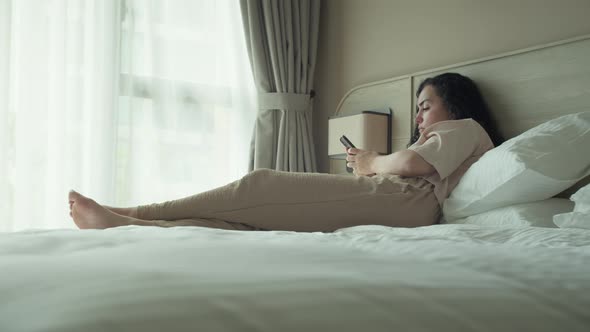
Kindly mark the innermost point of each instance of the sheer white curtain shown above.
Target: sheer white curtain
(186, 114)
(126, 101)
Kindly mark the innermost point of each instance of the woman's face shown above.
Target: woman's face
(431, 109)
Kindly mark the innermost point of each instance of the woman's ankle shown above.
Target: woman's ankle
(129, 212)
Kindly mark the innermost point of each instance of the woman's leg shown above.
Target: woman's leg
(274, 200)
(88, 214)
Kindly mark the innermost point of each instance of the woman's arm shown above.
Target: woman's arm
(405, 162)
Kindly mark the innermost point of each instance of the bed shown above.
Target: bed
(462, 276)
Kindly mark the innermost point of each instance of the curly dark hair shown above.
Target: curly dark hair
(463, 100)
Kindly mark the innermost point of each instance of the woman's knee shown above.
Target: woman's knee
(257, 176)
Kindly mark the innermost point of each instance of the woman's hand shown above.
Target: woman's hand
(361, 161)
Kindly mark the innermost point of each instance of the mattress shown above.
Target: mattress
(369, 278)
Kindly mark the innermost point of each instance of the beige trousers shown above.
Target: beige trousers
(273, 200)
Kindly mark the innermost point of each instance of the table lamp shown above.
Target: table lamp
(368, 130)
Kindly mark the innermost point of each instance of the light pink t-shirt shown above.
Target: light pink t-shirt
(451, 147)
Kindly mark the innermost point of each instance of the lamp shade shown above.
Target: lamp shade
(368, 130)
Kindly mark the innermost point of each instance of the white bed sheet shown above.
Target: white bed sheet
(366, 278)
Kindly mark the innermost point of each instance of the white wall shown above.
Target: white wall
(368, 40)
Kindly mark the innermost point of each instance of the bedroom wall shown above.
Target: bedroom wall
(364, 41)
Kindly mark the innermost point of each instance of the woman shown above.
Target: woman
(406, 188)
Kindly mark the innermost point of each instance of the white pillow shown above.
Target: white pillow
(532, 166)
(580, 218)
(572, 220)
(582, 199)
(538, 214)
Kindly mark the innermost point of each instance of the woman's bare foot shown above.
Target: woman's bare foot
(89, 214)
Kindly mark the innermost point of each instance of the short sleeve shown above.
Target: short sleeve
(447, 144)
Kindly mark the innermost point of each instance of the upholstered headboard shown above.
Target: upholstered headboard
(523, 88)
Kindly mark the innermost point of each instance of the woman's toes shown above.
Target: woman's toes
(73, 196)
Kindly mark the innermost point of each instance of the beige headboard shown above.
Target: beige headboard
(523, 88)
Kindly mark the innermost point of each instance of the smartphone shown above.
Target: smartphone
(346, 142)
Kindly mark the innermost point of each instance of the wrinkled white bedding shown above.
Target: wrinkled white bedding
(366, 278)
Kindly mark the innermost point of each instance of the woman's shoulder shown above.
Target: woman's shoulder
(455, 124)
(476, 129)
(461, 128)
